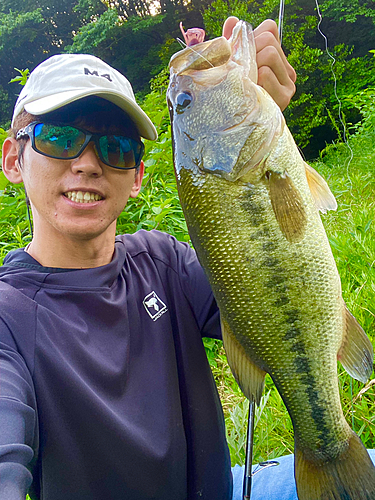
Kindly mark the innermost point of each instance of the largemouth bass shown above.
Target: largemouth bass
(252, 208)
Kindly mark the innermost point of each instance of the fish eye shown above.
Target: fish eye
(183, 100)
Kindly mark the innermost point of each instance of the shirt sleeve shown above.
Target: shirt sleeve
(17, 419)
(195, 283)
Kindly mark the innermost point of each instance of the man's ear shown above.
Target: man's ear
(11, 167)
(138, 181)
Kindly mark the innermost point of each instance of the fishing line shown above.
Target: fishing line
(183, 44)
(333, 61)
(28, 214)
(352, 407)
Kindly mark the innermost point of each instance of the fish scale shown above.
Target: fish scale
(250, 309)
(251, 205)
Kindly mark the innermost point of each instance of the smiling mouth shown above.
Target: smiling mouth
(83, 196)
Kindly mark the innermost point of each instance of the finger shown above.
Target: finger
(267, 40)
(269, 56)
(281, 94)
(267, 26)
(228, 26)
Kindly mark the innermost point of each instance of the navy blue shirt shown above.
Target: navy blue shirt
(105, 388)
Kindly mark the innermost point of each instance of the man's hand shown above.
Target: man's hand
(275, 74)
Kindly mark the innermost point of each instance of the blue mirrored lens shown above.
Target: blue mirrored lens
(120, 151)
(58, 141)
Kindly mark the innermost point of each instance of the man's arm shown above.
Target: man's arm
(275, 74)
(17, 420)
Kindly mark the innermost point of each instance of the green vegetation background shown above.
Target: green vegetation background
(139, 37)
(349, 169)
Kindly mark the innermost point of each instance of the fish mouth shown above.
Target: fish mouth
(213, 54)
(213, 87)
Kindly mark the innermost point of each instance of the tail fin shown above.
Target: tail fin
(350, 477)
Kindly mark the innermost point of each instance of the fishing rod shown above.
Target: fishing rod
(246, 491)
(247, 481)
(281, 19)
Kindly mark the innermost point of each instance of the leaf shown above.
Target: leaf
(22, 79)
(3, 181)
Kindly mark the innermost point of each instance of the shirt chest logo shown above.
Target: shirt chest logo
(154, 306)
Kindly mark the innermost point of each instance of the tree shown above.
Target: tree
(135, 36)
(313, 115)
(31, 31)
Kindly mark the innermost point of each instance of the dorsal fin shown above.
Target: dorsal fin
(322, 195)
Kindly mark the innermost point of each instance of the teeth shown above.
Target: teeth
(82, 196)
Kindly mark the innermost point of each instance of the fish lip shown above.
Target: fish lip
(200, 57)
(246, 49)
(239, 48)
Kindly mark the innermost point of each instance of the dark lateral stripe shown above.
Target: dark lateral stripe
(282, 300)
(271, 261)
(302, 364)
(292, 333)
(303, 367)
(269, 246)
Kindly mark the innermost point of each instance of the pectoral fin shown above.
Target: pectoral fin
(248, 376)
(288, 206)
(322, 195)
(356, 352)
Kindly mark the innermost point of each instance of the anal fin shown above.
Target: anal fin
(248, 376)
(356, 353)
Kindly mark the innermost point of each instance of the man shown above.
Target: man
(105, 391)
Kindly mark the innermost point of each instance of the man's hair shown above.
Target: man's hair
(92, 113)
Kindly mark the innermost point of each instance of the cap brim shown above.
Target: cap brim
(50, 103)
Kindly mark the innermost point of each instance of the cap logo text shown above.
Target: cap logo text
(94, 72)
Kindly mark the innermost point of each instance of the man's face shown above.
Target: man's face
(55, 188)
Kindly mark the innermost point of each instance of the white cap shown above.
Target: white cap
(65, 78)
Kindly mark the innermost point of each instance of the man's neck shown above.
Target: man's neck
(72, 254)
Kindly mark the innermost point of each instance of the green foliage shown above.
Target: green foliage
(3, 135)
(364, 101)
(313, 114)
(130, 44)
(22, 78)
(124, 34)
(3, 183)
(251, 11)
(31, 31)
(91, 35)
(157, 206)
(14, 229)
(342, 10)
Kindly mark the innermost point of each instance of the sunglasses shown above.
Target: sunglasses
(64, 142)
